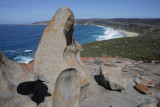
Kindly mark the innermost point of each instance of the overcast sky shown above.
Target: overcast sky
(28, 11)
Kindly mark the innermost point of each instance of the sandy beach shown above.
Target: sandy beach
(128, 34)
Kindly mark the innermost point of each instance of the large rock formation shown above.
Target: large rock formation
(55, 78)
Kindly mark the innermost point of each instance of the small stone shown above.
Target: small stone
(125, 69)
(142, 88)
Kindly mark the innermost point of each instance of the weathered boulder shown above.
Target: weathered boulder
(111, 78)
(55, 78)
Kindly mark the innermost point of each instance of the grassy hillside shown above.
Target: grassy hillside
(146, 47)
(141, 26)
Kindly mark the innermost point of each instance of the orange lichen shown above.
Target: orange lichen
(47, 29)
(87, 58)
(55, 30)
(70, 61)
(74, 101)
(142, 88)
(145, 80)
(110, 58)
(57, 93)
(28, 67)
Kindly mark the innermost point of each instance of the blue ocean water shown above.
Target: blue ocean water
(19, 42)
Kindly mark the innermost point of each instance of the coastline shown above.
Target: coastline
(127, 33)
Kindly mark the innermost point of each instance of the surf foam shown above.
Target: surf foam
(23, 59)
(109, 33)
(27, 50)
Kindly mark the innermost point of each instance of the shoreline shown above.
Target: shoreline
(127, 33)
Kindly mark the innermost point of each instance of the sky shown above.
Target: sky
(29, 11)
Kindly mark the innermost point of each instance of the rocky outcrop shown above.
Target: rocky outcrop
(129, 70)
(55, 78)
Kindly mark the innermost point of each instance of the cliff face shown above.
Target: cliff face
(55, 78)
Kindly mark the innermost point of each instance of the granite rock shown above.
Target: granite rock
(111, 78)
(55, 78)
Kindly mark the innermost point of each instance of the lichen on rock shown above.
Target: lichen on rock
(56, 67)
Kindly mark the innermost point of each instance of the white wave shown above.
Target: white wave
(9, 51)
(23, 59)
(28, 50)
(100, 26)
(110, 34)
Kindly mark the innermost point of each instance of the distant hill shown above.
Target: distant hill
(155, 21)
(39, 23)
(131, 24)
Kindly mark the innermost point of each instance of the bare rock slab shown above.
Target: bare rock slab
(111, 78)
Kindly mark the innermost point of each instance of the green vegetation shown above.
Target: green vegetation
(146, 47)
(135, 25)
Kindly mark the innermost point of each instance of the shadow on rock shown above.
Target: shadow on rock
(98, 80)
(37, 90)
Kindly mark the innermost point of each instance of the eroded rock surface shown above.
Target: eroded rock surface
(55, 78)
(100, 96)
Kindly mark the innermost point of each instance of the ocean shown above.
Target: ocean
(19, 42)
